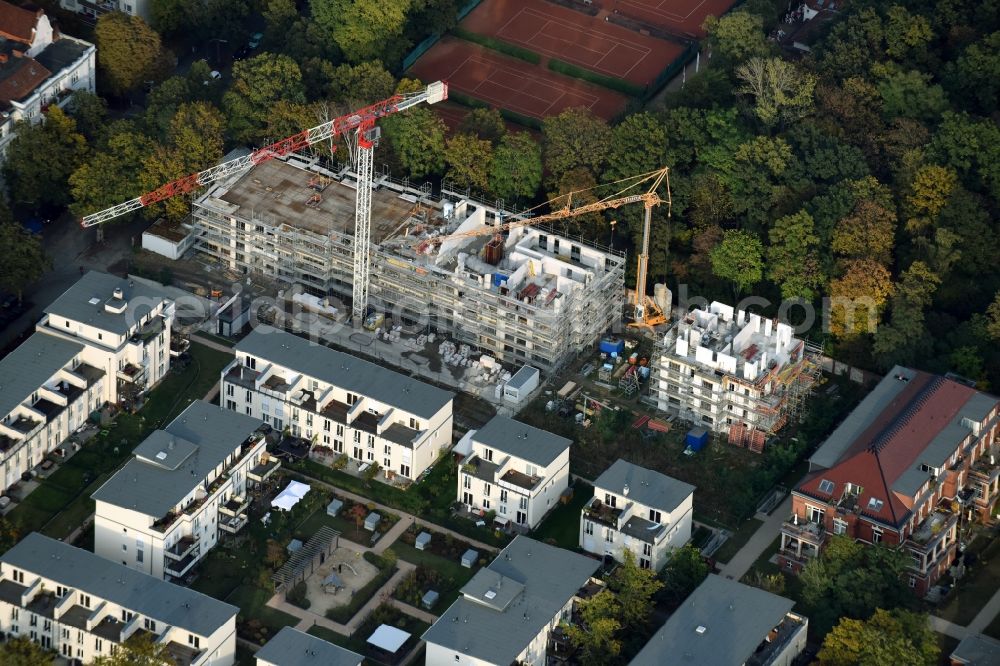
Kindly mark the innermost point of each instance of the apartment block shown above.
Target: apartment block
(336, 400)
(510, 609)
(91, 10)
(291, 647)
(186, 487)
(124, 326)
(82, 606)
(514, 469)
(47, 392)
(532, 297)
(727, 622)
(734, 372)
(916, 458)
(639, 510)
(38, 67)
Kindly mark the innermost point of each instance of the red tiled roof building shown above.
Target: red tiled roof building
(915, 458)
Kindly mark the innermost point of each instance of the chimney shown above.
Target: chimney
(119, 293)
(625, 491)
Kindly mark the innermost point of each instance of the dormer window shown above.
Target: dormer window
(826, 486)
(875, 504)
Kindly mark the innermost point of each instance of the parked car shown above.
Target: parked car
(255, 40)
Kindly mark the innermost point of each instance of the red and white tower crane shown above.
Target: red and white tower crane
(360, 123)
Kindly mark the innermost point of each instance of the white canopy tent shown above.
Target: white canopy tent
(290, 496)
(388, 638)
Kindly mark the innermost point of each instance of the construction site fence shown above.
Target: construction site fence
(856, 375)
(424, 46)
(671, 70)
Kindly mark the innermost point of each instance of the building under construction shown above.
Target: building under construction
(734, 372)
(529, 296)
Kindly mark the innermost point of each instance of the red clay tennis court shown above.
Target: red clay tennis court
(681, 16)
(511, 84)
(585, 41)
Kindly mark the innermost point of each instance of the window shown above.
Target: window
(839, 526)
(124, 548)
(913, 581)
(488, 454)
(14, 613)
(486, 504)
(610, 500)
(61, 591)
(351, 398)
(230, 390)
(609, 535)
(127, 616)
(194, 641)
(387, 449)
(877, 535)
(655, 516)
(371, 441)
(47, 625)
(371, 455)
(340, 430)
(466, 481)
(98, 645)
(644, 563)
(404, 470)
(523, 504)
(33, 621)
(826, 486)
(414, 424)
(647, 549)
(588, 527)
(815, 515)
(503, 494)
(85, 600)
(486, 489)
(357, 436)
(18, 576)
(138, 556)
(149, 624)
(387, 463)
(875, 504)
(326, 425)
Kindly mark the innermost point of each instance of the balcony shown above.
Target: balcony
(148, 331)
(179, 568)
(599, 512)
(791, 627)
(132, 374)
(182, 548)
(24, 425)
(232, 524)
(935, 531)
(519, 480)
(235, 506)
(263, 470)
(803, 530)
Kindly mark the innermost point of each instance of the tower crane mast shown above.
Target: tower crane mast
(360, 122)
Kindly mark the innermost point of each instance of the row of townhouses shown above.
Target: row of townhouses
(105, 340)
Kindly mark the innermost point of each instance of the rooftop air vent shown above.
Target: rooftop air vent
(162, 455)
(490, 594)
(701, 629)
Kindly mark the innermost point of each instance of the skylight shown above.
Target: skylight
(826, 486)
(875, 504)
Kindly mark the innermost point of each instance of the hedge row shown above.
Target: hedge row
(513, 116)
(498, 45)
(630, 89)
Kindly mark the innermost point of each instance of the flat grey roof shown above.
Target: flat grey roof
(735, 617)
(977, 650)
(291, 647)
(24, 370)
(860, 418)
(522, 376)
(521, 440)
(204, 434)
(645, 486)
(345, 371)
(62, 53)
(75, 302)
(80, 569)
(476, 627)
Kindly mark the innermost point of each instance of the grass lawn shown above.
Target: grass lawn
(563, 524)
(453, 575)
(333, 637)
(244, 657)
(383, 614)
(62, 501)
(347, 528)
(977, 586)
(252, 601)
(737, 540)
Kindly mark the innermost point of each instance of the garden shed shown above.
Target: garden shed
(372, 521)
(423, 540)
(469, 558)
(334, 507)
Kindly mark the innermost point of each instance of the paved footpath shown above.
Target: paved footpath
(758, 543)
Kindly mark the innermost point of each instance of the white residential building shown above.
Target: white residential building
(640, 510)
(38, 67)
(94, 9)
(83, 607)
(732, 371)
(124, 327)
(186, 486)
(291, 647)
(47, 391)
(336, 400)
(514, 469)
(509, 609)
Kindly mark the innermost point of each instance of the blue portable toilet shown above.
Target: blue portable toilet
(614, 346)
(696, 439)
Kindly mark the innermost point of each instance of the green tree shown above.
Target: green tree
(596, 637)
(138, 650)
(484, 123)
(899, 341)
(993, 318)
(25, 260)
(710, 203)
(887, 638)
(736, 37)
(638, 146)
(781, 91)
(911, 94)
(38, 182)
(516, 169)
(970, 146)
(363, 29)
(906, 34)
(89, 111)
(634, 588)
(131, 52)
(416, 138)
(975, 76)
(108, 177)
(683, 573)
(468, 159)
(793, 256)
(168, 17)
(928, 195)
(858, 297)
(360, 85)
(753, 175)
(739, 258)
(162, 103)
(21, 651)
(258, 83)
(867, 233)
(575, 138)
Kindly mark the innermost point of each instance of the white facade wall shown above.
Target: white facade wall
(280, 411)
(521, 506)
(164, 247)
(219, 649)
(80, 75)
(601, 539)
(112, 353)
(120, 534)
(134, 7)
